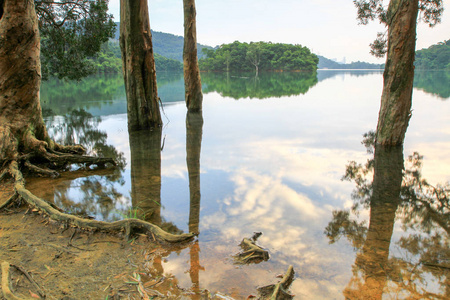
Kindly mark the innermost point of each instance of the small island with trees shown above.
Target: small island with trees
(258, 56)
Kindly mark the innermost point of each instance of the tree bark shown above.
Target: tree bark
(138, 65)
(21, 123)
(395, 110)
(192, 81)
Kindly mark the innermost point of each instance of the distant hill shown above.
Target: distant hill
(168, 45)
(435, 57)
(325, 63)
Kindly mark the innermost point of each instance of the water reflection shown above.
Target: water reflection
(433, 82)
(84, 192)
(194, 127)
(423, 249)
(265, 85)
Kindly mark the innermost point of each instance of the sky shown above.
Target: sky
(328, 27)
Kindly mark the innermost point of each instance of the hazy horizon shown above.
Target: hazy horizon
(329, 28)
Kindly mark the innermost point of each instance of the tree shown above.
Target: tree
(138, 60)
(254, 55)
(401, 19)
(192, 81)
(24, 140)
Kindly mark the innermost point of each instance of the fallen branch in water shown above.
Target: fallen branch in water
(278, 291)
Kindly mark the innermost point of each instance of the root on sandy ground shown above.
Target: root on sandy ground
(129, 226)
(6, 282)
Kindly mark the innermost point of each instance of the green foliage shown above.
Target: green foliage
(167, 45)
(108, 60)
(369, 10)
(325, 63)
(436, 57)
(266, 85)
(239, 56)
(72, 31)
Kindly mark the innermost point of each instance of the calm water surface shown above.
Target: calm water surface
(270, 157)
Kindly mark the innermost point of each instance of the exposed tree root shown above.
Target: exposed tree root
(278, 291)
(6, 289)
(128, 225)
(251, 253)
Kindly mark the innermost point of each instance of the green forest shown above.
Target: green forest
(435, 57)
(325, 63)
(239, 56)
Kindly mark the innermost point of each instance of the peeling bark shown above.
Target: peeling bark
(138, 65)
(395, 110)
(192, 81)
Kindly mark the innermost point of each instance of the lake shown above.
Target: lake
(270, 158)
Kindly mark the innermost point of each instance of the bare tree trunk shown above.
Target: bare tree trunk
(138, 65)
(192, 81)
(395, 110)
(21, 123)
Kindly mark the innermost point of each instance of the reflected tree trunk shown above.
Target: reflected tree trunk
(395, 110)
(138, 65)
(192, 81)
(372, 261)
(145, 146)
(194, 127)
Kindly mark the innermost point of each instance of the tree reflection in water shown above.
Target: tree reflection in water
(83, 191)
(265, 85)
(194, 127)
(420, 266)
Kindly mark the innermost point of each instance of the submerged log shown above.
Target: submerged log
(278, 291)
(251, 253)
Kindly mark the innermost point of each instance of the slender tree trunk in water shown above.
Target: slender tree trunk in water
(192, 81)
(395, 110)
(138, 65)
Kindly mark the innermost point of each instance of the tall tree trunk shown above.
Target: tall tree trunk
(138, 65)
(21, 123)
(395, 110)
(192, 81)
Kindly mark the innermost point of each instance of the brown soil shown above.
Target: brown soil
(67, 263)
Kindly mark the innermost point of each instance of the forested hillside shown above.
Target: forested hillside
(435, 57)
(325, 63)
(239, 56)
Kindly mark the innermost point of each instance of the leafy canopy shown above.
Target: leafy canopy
(71, 31)
(369, 10)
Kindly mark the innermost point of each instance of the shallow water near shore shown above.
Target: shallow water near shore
(269, 157)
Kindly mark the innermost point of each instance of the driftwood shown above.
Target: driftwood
(278, 291)
(251, 253)
(127, 225)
